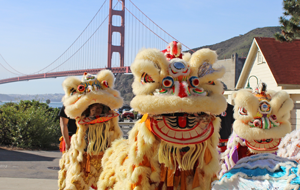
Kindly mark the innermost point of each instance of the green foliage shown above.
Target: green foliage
(29, 124)
(290, 22)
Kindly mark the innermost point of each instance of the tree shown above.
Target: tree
(29, 124)
(290, 22)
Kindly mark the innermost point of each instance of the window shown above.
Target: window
(260, 58)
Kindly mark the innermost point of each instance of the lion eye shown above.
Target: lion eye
(211, 82)
(146, 79)
(194, 81)
(73, 91)
(243, 111)
(168, 82)
(81, 88)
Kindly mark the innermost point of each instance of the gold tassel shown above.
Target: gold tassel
(196, 179)
(88, 164)
(170, 178)
(183, 181)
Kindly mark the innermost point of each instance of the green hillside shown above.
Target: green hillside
(240, 44)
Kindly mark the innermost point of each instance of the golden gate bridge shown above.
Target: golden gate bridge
(96, 49)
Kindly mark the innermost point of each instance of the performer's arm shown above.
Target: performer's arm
(64, 130)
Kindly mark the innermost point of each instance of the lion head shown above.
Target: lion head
(262, 118)
(80, 94)
(79, 100)
(181, 95)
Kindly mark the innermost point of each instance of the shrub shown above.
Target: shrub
(29, 124)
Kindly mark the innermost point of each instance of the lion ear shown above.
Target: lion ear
(106, 75)
(202, 62)
(70, 84)
(149, 68)
(186, 57)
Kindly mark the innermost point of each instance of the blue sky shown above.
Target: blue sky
(34, 33)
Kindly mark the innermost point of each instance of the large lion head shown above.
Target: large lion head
(262, 117)
(180, 96)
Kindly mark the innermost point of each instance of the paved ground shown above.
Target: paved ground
(28, 170)
(33, 170)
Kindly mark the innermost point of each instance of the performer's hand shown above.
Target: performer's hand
(67, 145)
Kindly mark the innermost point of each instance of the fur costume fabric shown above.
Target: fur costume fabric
(81, 164)
(289, 146)
(261, 120)
(174, 145)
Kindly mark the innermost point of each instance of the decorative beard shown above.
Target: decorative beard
(98, 138)
(184, 156)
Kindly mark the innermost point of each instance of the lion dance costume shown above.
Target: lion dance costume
(174, 145)
(81, 164)
(261, 120)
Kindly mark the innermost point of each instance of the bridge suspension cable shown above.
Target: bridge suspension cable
(88, 52)
(156, 25)
(10, 67)
(74, 42)
(80, 46)
(7, 69)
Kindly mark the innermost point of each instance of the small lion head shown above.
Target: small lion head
(92, 89)
(262, 117)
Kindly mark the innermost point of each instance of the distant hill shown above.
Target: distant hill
(123, 85)
(240, 44)
(41, 97)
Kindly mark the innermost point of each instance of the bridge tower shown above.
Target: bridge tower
(120, 29)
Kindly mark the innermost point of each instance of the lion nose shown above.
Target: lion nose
(179, 65)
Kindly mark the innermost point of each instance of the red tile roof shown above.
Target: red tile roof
(283, 59)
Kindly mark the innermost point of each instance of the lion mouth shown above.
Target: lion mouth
(183, 128)
(103, 115)
(264, 144)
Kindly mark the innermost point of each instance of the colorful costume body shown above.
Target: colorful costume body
(261, 120)
(81, 164)
(261, 172)
(174, 145)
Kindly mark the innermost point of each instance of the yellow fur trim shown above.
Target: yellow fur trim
(215, 104)
(246, 132)
(108, 76)
(102, 97)
(186, 57)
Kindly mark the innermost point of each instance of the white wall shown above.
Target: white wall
(263, 73)
(295, 113)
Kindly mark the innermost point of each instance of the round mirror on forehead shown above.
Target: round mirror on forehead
(179, 65)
